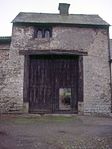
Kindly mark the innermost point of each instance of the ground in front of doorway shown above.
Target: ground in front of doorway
(55, 132)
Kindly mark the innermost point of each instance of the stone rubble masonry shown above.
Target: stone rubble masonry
(97, 92)
(4, 77)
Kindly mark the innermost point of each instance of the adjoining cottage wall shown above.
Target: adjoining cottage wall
(97, 91)
(4, 73)
(10, 79)
(96, 67)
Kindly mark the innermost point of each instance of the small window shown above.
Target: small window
(47, 33)
(39, 33)
(43, 32)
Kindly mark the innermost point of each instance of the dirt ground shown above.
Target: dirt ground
(55, 132)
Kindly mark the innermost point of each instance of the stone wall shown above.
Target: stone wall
(96, 67)
(11, 85)
(97, 91)
(4, 70)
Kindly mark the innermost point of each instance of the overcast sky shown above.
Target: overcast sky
(10, 8)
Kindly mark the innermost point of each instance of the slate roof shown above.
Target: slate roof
(39, 18)
(5, 39)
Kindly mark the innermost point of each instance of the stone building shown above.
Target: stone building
(111, 59)
(56, 63)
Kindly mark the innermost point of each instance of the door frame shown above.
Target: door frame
(54, 52)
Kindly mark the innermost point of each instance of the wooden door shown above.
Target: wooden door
(50, 76)
(65, 84)
(40, 86)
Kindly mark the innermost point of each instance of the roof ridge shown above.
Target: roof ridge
(57, 13)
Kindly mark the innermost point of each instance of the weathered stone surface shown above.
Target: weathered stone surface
(97, 95)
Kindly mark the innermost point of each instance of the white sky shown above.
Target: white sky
(10, 8)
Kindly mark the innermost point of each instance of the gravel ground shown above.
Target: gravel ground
(55, 132)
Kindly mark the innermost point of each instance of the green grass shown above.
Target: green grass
(38, 119)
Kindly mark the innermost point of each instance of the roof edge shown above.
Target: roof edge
(22, 20)
(5, 39)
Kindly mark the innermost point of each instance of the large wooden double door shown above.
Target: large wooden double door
(53, 84)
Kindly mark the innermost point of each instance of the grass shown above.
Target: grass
(37, 119)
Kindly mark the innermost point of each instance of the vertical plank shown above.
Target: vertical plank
(26, 79)
(80, 81)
